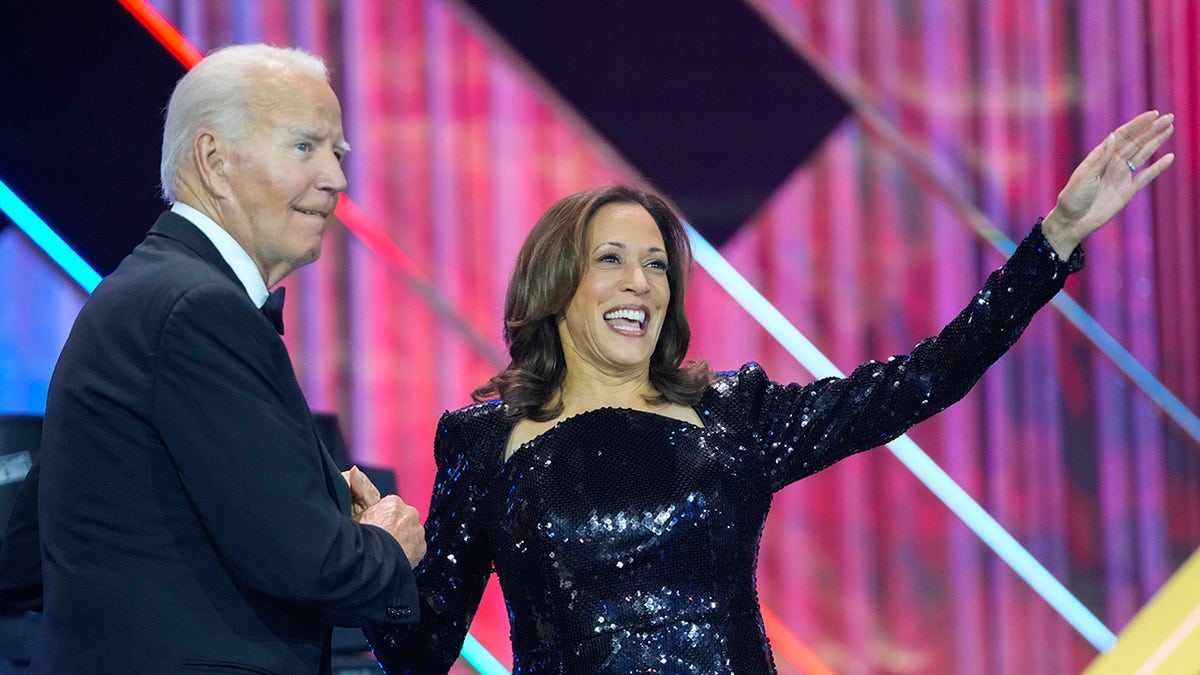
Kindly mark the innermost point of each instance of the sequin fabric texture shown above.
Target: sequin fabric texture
(626, 542)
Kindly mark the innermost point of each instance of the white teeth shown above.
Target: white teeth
(631, 314)
(311, 213)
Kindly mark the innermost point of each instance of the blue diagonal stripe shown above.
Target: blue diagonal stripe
(47, 239)
(917, 461)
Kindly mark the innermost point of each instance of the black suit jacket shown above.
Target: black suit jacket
(189, 517)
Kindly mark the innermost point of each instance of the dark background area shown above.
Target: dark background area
(82, 121)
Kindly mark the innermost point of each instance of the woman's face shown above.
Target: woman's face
(613, 321)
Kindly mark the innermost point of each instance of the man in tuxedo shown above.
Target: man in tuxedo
(189, 517)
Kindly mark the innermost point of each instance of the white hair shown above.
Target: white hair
(216, 94)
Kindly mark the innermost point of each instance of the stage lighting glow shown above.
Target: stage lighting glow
(1133, 369)
(785, 643)
(1108, 345)
(925, 469)
(480, 658)
(47, 239)
(166, 33)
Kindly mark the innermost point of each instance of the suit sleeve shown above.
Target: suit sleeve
(236, 426)
(454, 572)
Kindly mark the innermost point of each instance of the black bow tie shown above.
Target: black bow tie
(273, 308)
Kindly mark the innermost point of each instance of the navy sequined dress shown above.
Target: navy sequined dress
(626, 542)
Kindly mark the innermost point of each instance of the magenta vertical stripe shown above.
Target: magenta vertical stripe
(961, 425)
(1143, 335)
(998, 424)
(1099, 63)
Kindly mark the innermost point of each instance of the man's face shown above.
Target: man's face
(286, 174)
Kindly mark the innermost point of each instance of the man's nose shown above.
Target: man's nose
(332, 177)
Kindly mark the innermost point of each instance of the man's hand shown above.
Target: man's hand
(401, 521)
(363, 493)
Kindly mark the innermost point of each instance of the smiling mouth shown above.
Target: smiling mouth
(625, 320)
(311, 212)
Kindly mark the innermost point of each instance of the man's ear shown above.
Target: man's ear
(211, 156)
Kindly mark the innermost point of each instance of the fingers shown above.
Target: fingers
(1130, 131)
(401, 521)
(1148, 174)
(361, 487)
(1140, 148)
(1134, 141)
(1152, 138)
(1118, 143)
(1141, 136)
(363, 493)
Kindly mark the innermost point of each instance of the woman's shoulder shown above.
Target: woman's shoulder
(733, 389)
(478, 410)
(475, 428)
(750, 375)
(473, 418)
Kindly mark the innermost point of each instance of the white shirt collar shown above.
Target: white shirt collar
(233, 253)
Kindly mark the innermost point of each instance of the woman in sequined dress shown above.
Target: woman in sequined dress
(619, 494)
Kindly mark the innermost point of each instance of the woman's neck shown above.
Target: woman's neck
(588, 391)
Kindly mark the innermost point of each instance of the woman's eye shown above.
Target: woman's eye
(657, 264)
(609, 258)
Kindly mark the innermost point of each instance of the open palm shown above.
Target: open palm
(1108, 178)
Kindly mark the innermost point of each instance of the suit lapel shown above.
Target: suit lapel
(174, 226)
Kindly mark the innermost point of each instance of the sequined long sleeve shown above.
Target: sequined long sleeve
(791, 431)
(457, 563)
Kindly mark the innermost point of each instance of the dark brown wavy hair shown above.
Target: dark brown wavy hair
(549, 269)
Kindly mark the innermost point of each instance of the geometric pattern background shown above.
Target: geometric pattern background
(960, 114)
(708, 104)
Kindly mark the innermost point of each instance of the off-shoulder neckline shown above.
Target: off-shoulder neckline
(571, 419)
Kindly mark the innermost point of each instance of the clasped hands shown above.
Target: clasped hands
(389, 513)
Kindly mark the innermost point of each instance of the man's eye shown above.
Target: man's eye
(304, 147)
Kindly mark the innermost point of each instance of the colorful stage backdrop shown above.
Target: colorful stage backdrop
(964, 120)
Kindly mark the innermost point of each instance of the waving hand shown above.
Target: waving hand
(1107, 179)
